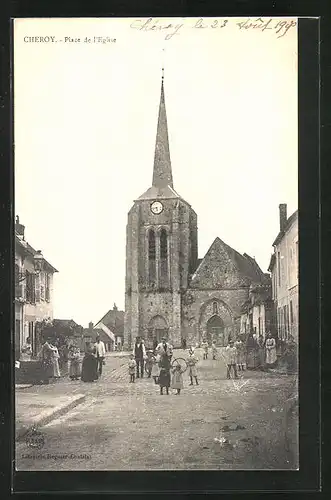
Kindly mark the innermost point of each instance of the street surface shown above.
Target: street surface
(250, 423)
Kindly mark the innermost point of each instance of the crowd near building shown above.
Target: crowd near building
(169, 291)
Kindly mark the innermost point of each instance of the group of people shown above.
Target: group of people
(88, 371)
(250, 355)
(158, 366)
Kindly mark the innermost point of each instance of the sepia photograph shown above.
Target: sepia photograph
(156, 244)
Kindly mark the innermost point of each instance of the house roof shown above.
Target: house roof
(104, 336)
(27, 249)
(272, 262)
(65, 322)
(114, 320)
(211, 267)
(289, 222)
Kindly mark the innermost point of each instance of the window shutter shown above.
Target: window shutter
(37, 287)
(42, 286)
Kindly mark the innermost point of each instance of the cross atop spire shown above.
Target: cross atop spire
(162, 174)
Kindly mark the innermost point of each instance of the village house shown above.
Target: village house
(33, 291)
(284, 269)
(91, 333)
(257, 312)
(113, 320)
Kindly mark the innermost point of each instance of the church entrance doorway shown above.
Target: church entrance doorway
(215, 331)
(157, 329)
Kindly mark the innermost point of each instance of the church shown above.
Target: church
(169, 291)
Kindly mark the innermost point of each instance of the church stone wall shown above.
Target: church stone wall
(197, 309)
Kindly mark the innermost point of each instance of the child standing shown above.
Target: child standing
(132, 368)
(231, 354)
(149, 363)
(177, 378)
(155, 368)
(164, 376)
(192, 369)
(205, 346)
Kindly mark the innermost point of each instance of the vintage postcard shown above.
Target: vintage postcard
(156, 244)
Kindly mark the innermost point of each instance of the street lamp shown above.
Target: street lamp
(38, 260)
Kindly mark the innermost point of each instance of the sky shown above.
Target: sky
(85, 119)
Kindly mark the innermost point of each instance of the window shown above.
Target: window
(278, 268)
(291, 312)
(47, 287)
(37, 287)
(215, 311)
(286, 322)
(30, 287)
(163, 258)
(163, 244)
(17, 275)
(151, 257)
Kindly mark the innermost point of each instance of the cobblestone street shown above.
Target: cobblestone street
(250, 423)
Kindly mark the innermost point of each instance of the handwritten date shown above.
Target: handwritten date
(280, 27)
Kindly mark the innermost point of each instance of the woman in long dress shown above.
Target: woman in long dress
(164, 376)
(261, 352)
(271, 353)
(55, 360)
(46, 360)
(155, 368)
(252, 353)
(89, 366)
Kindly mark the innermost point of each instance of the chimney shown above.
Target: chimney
(115, 307)
(282, 216)
(19, 228)
(90, 326)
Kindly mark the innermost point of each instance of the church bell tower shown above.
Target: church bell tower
(161, 251)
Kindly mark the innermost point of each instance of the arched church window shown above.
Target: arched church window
(151, 257)
(163, 244)
(151, 245)
(163, 258)
(215, 309)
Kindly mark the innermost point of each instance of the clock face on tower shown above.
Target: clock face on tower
(156, 207)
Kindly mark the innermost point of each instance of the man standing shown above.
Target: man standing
(164, 348)
(100, 352)
(139, 353)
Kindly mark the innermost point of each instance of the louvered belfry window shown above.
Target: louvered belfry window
(151, 257)
(163, 258)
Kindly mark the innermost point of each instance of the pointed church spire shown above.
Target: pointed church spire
(162, 174)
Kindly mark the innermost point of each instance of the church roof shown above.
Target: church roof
(155, 192)
(162, 184)
(221, 263)
(162, 174)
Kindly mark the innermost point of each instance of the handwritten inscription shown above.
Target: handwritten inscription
(170, 29)
(279, 26)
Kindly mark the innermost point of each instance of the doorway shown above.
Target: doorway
(215, 330)
(157, 329)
